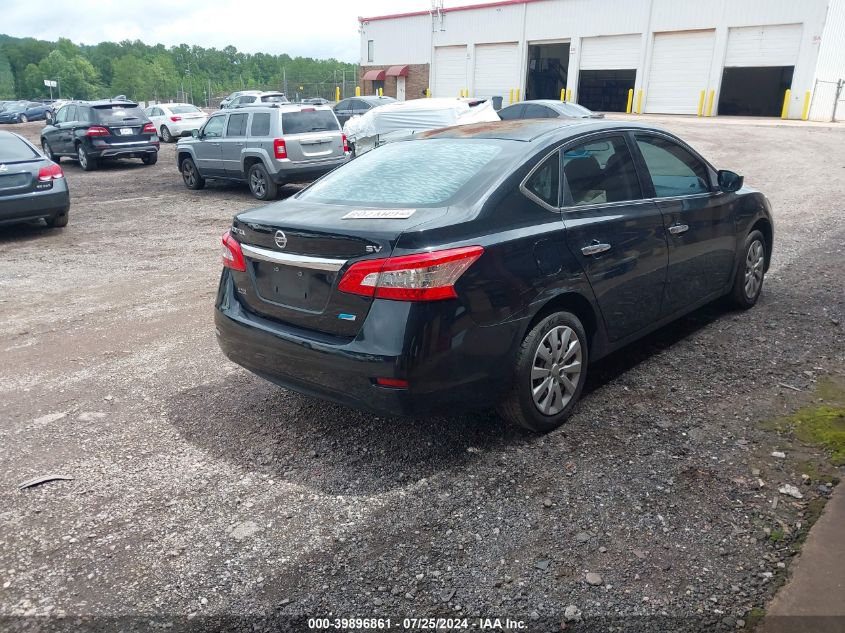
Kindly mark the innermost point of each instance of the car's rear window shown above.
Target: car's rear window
(118, 113)
(13, 149)
(413, 173)
(308, 121)
(185, 109)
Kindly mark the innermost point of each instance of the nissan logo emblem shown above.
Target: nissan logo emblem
(281, 239)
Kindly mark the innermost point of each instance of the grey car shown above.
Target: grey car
(265, 146)
(547, 109)
(31, 186)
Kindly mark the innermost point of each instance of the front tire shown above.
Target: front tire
(191, 175)
(45, 147)
(86, 162)
(260, 185)
(751, 272)
(150, 159)
(166, 136)
(549, 374)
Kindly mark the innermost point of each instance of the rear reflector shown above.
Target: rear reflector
(149, 128)
(279, 149)
(419, 277)
(53, 172)
(395, 383)
(96, 130)
(233, 256)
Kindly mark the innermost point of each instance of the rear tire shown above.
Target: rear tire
(86, 162)
(150, 159)
(549, 374)
(191, 175)
(45, 147)
(260, 185)
(166, 136)
(750, 273)
(59, 220)
(22, 119)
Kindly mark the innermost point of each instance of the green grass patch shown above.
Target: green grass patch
(753, 618)
(777, 535)
(824, 426)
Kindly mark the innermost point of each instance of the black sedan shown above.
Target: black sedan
(486, 264)
(31, 187)
(547, 109)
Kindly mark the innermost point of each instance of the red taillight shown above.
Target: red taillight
(53, 172)
(345, 143)
(419, 277)
(279, 148)
(308, 110)
(395, 383)
(149, 128)
(96, 130)
(233, 256)
(175, 118)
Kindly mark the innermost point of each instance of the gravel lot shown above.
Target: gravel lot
(203, 492)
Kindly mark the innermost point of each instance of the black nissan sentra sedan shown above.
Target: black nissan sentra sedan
(31, 187)
(485, 265)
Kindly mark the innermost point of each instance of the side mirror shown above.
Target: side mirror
(729, 181)
(195, 133)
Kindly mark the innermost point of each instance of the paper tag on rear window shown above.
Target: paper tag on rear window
(379, 214)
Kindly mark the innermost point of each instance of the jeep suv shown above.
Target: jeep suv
(264, 145)
(94, 130)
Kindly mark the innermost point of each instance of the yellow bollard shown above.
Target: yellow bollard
(510, 97)
(381, 92)
(630, 101)
(805, 113)
(337, 93)
(701, 103)
(428, 93)
(563, 94)
(710, 103)
(569, 94)
(517, 94)
(784, 111)
(357, 91)
(640, 101)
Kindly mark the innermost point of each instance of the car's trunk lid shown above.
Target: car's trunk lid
(295, 254)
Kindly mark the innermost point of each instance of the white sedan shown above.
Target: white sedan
(173, 120)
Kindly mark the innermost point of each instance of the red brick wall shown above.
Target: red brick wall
(415, 83)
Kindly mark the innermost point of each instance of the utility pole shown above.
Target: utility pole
(285, 79)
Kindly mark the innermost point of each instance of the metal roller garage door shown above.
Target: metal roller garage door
(763, 45)
(610, 52)
(450, 70)
(496, 69)
(680, 70)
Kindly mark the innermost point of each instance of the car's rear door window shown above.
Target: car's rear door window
(673, 170)
(13, 149)
(600, 171)
(236, 125)
(308, 121)
(409, 174)
(544, 182)
(260, 125)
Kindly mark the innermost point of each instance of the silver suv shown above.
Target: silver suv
(264, 145)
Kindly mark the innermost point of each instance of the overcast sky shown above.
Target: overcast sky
(311, 28)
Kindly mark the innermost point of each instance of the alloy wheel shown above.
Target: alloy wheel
(165, 134)
(556, 370)
(46, 148)
(755, 261)
(83, 158)
(189, 173)
(257, 183)
(23, 118)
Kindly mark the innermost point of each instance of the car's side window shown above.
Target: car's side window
(61, 116)
(260, 124)
(511, 112)
(71, 113)
(237, 125)
(214, 127)
(83, 114)
(601, 171)
(673, 170)
(534, 111)
(545, 181)
(343, 105)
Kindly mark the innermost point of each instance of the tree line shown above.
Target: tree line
(145, 72)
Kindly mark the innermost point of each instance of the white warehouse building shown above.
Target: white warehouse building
(727, 57)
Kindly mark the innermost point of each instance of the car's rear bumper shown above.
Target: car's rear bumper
(301, 172)
(35, 205)
(129, 149)
(449, 363)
